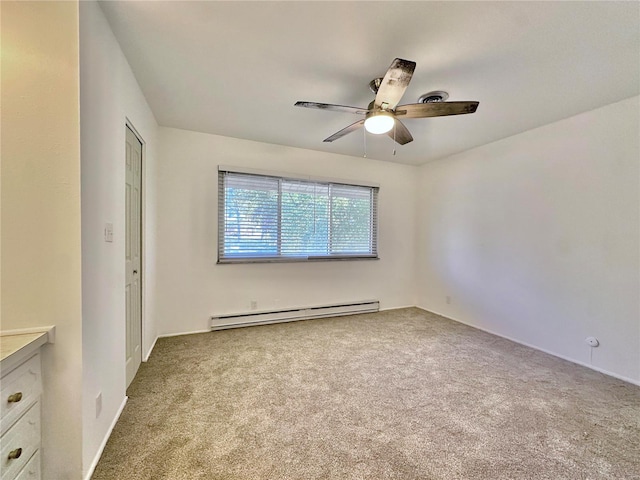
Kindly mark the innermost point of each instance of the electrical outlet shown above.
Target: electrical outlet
(254, 304)
(98, 404)
(592, 341)
(448, 300)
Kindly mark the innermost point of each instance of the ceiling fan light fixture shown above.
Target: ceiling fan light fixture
(379, 122)
(380, 115)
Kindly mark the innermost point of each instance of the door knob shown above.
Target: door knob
(135, 272)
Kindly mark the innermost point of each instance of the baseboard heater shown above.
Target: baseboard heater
(235, 320)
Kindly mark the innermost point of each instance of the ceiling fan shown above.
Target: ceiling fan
(383, 114)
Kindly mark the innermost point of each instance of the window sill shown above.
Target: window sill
(228, 261)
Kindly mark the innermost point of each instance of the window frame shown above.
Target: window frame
(222, 260)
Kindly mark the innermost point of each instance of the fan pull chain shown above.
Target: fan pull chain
(365, 142)
(394, 138)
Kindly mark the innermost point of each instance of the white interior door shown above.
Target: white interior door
(133, 243)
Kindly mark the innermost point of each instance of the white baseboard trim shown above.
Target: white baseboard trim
(535, 347)
(388, 309)
(96, 459)
(167, 335)
(146, 357)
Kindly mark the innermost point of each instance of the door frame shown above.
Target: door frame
(144, 356)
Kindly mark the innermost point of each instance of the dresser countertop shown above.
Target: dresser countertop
(16, 344)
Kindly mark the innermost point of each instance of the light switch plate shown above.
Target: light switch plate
(108, 232)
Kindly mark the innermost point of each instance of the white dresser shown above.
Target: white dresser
(21, 390)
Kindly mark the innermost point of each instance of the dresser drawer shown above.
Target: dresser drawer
(21, 441)
(32, 470)
(20, 388)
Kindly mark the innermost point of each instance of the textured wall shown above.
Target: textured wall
(191, 287)
(109, 98)
(536, 237)
(41, 209)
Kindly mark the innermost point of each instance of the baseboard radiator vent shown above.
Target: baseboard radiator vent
(234, 320)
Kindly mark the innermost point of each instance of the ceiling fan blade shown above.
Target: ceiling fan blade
(401, 134)
(351, 128)
(394, 83)
(435, 109)
(333, 108)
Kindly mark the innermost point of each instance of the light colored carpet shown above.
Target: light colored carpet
(402, 394)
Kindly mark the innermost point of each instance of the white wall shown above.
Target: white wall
(536, 237)
(109, 97)
(191, 287)
(41, 252)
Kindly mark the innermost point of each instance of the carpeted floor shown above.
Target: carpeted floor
(401, 394)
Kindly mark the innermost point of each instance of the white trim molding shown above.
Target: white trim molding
(96, 459)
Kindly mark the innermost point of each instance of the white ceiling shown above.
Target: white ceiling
(236, 68)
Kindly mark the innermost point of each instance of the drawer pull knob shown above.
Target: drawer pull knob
(13, 454)
(15, 398)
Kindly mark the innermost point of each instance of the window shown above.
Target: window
(272, 218)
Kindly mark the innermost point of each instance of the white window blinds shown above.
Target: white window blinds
(269, 218)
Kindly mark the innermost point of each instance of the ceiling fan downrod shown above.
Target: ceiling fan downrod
(374, 84)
